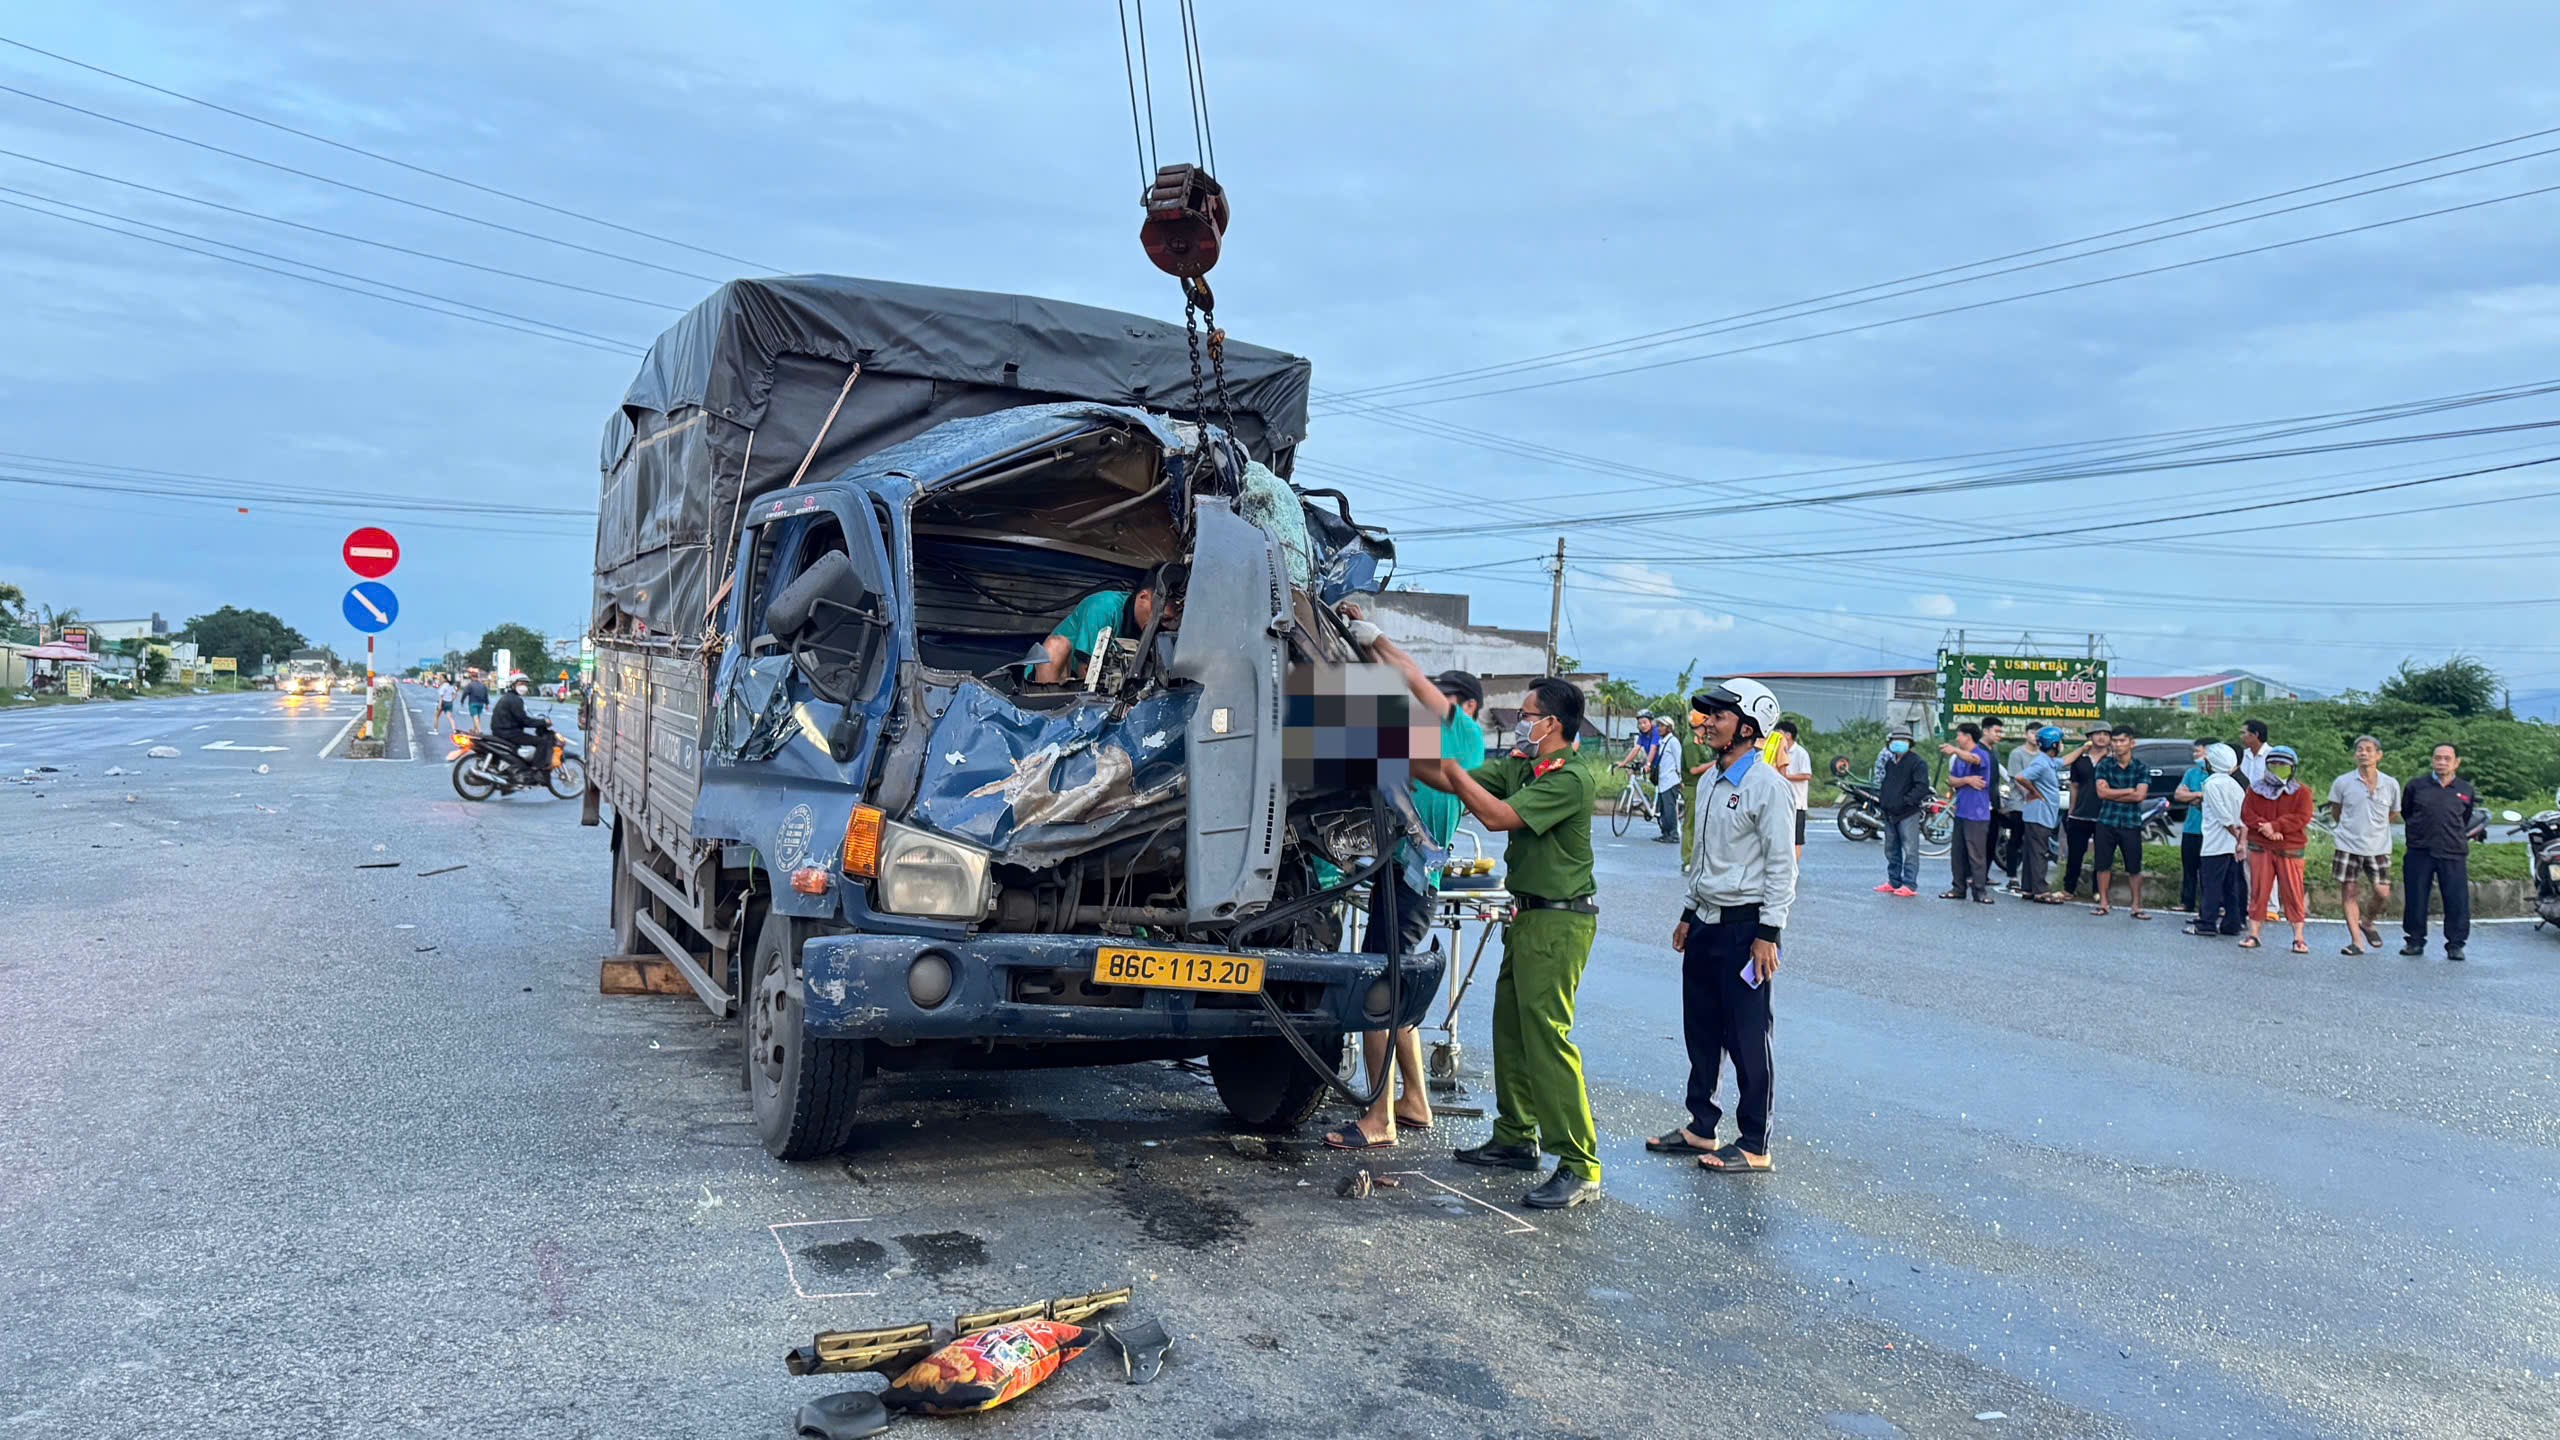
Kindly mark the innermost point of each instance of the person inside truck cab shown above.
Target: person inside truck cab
(1125, 614)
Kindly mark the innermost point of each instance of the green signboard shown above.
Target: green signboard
(2069, 691)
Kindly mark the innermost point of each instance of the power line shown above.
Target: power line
(269, 490)
(1964, 484)
(351, 185)
(291, 260)
(393, 160)
(336, 234)
(1676, 334)
(1986, 304)
(550, 333)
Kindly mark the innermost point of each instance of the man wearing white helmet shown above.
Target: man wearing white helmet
(2222, 890)
(1742, 882)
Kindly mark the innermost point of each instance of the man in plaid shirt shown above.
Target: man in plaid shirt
(2122, 787)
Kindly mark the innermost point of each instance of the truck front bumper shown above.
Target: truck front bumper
(1036, 988)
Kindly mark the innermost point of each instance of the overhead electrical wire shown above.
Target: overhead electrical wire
(565, 330)
(1677, 334)
(350, 185)
(1996, 300)
(393, 160)
(350, 238)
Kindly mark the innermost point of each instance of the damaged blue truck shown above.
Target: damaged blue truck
(838, 519)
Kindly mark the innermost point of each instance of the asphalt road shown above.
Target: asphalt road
(292, 1146)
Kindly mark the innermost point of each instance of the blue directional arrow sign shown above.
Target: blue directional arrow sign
(371, 607)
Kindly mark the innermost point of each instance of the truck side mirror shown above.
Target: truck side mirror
(827, 617)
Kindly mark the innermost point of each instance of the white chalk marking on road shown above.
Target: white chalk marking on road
(244, 749)
(341, 735)
(202, 727)
(142, 742)
(793, 1271)
(1524, 1227)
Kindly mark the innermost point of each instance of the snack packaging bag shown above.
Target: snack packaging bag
(984, 1370)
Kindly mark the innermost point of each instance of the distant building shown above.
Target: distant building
(1435, 630)
(103, 633)
(2199, 694)
(1833, 698)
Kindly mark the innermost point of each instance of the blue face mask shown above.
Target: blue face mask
(1900, 747)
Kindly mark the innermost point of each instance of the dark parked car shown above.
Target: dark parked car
(2168, 761)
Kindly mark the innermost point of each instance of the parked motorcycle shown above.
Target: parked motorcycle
(2542, 838)
(483, 767)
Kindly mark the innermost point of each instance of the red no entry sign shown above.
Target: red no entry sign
(371, 552)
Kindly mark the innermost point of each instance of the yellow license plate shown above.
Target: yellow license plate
(1178, 970)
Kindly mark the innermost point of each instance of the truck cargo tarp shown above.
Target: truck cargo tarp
(729, 399)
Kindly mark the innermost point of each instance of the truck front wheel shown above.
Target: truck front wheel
(800, 1088)
(1266, 1084)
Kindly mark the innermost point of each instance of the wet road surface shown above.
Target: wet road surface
(292, 1146)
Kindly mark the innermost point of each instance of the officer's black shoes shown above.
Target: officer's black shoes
(2414, 947)
(1495, 1153)
(2453, 952)
(1562, 1191)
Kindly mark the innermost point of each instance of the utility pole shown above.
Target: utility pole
(1555, 607)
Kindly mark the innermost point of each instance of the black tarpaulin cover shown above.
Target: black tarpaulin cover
(729, 398)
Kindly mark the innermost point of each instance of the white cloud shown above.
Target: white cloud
(1936, 607)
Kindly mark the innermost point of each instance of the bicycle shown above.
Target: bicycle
(1634, 803)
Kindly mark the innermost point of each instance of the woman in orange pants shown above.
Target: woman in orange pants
(2276, 814)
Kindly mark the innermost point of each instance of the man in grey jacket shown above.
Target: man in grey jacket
(1742, 882)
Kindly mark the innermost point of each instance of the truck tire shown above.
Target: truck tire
(628, 897)
(1265, 1083)
(800, 1089)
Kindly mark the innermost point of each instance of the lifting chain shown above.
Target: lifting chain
(1199, 305)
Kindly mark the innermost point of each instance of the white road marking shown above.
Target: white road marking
(245, 749)
(793, 1272)
(341, 735)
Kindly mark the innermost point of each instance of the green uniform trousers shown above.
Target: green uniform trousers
(1539, 1096)
(1688, 819)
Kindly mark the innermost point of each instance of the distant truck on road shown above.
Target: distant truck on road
(838, 519)
(306, 672)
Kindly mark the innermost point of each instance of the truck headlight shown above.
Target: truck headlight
(924, 874)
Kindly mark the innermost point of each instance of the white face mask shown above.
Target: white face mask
(1524, 733)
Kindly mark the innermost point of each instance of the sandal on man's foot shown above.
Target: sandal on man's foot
(1950, 894)
(2352, 949)
(1731, 1161)
(2301, 947)
(2252, 943)
(1677, 1142)
(2097, 909)
(2141, 914)
(1352, 1137)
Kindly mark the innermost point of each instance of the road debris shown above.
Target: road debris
(1356, 1186)
(447, 870)
(1142, 1346)
(845, 1415)
(115, 770)
(377, 864)
(162, 752)
(1251, 1147)
(262, 767)
(1990, 1415)
(986, 1369)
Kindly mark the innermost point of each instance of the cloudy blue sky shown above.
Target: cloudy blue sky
(1419, 190)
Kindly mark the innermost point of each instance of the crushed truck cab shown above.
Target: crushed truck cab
(857, 795)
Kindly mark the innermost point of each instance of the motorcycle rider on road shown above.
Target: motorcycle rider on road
(513, 729)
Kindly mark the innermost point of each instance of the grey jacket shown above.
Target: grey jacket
(1746, 847)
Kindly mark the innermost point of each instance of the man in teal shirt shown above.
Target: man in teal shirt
(1455, 698)
(1123, 614)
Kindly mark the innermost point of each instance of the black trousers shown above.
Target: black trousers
(2078, 833)
(2008, 840)
(2033, 856)
(2190, 869)
(2222, 892)
(1968, 860)
(2450, 874)
(1721, 1016)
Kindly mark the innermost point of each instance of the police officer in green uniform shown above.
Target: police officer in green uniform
(1697, 757)
(1540, 800)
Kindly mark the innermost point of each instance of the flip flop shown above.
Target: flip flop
(2099, 909)
(2252, 943)
(1404, 1124)
(1350, 1138)
(2301, 947)
(2141, 914)
(1730, 1161)
(1672, 1142)
(2352, 950)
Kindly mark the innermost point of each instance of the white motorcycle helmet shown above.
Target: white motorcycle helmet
(1754, 701)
